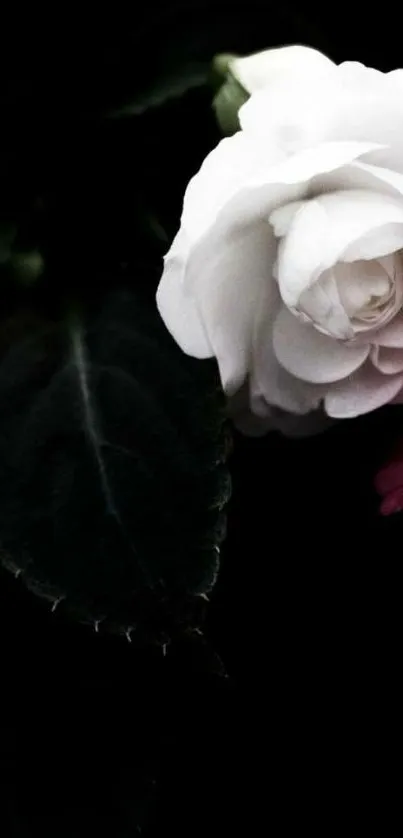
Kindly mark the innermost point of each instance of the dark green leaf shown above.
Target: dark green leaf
(112, 480)
(167, 86)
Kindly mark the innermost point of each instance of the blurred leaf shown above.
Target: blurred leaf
(230, 96)
(111, 467)
(27, 267)
(166, 87)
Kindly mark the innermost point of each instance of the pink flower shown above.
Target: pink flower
(389, 484)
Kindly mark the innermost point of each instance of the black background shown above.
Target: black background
(287, 717)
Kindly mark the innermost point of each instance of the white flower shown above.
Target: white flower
(255, 72)
(288, 263)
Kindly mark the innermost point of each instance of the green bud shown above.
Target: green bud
(219, 69)
(230, 94)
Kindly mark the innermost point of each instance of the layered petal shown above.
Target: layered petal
(179, 308)
(323, 232)
(233, 164)
(230, 277)
(226, 212)
(257, 71)
(361, 393)
(225, 250)
(312, 356)
(377, 177)
(321, 303)
(345, 102)
(387, 360)
(390, 335)
(289, 110)
(359, 175)
(244, 164)
(271, 386)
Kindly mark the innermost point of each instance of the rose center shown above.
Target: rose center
(367, 289)
(353, 297)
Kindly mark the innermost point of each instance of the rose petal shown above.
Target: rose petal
(239, 411)
(289, 110)
(288, 424)
(273, 386)
(361, 393)
(229, 275)
(322, 304)
(399, 398)
(359, 282)
(323, 230)
(370, 106)
(309, 162)
(312, 356)
(270, 384)
(391, 334)
(359, 175)
(282, 218)
(255, 72)
(232, 164)
(298, 427)
(378, 176)
(387, 360)
(180, 313)
(242, 162)
(349, 102)
(376, 243)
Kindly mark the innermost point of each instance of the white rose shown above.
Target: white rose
(288, 263)
(256, 72)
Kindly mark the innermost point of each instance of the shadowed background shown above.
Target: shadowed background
(283, 711)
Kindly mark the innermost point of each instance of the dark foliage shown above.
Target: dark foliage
(112, 477)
